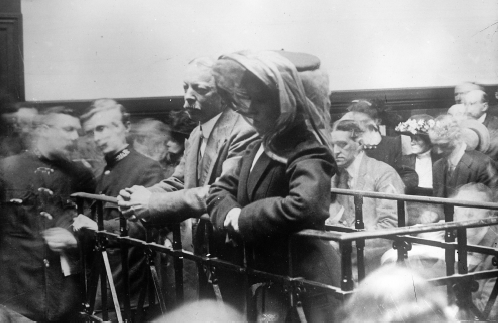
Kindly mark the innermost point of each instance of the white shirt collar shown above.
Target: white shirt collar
(482, 118)
(207, 127)
(427, 154)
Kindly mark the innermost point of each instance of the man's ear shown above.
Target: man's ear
(485, 106)
(127, 125)
(360, 141)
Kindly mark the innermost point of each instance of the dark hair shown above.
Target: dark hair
(105, 105)
(350, 126)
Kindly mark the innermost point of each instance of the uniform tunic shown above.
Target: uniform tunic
(31, 279)
(125, 169)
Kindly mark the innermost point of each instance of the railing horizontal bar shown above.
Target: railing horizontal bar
(428, 242)
(415, 198)
(338, 228)
(456, 277)
(98, 197)
(385, 233)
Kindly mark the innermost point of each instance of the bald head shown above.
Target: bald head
(464, 88)
(476, 103)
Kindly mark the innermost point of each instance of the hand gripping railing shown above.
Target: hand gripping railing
(295, 286)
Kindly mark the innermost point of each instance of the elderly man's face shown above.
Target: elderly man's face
(474, 106)
(60, 134)
(108, 130)
(345, 149)
(202, 101)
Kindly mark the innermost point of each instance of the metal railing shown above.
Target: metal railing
(402, 238)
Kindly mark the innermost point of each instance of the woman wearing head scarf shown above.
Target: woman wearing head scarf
(281, 184)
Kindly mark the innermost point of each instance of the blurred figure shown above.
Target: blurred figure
(150, 138)
(396, 294)
(430, 261)
(181, 127)
(384, 118)
(475, 135)
(458, 109)
(357, 171)
(476, 108)
(457, 166)
(38, 248)
(108, 123)
(202, 311)
(16, 130)
(382, 148)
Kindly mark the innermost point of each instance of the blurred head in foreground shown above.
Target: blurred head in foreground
(395, 294)
(202, 311)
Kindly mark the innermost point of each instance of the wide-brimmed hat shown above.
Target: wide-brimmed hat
(416, 125)
(481, 131)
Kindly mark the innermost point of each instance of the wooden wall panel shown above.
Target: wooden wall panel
(11, 51)
(404, 101)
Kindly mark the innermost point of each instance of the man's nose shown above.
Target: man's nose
(74, 135)
(336, 150)
(189, 98)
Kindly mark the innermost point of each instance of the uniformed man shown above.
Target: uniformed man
(38, 249)
(108, 123)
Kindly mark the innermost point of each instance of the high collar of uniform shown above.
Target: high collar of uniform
(115, 158)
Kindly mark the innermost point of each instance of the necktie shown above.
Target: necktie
(346, 200)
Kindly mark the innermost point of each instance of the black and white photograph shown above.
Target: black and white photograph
(248, 161)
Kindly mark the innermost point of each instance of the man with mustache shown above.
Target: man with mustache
(212, 148)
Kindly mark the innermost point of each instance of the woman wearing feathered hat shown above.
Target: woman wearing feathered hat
(282, 183)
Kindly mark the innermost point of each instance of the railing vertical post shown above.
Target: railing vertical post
(80, 202)
(103, 273)
(401, 213)
(346, 266)
(360, 243)
(178, 263)
(123, 228)
(449, 252)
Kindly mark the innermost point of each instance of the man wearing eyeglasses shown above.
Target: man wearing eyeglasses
(38, 248)
(213, 147)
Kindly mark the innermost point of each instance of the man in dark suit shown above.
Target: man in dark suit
(476, 107)
(108, 123)
(457, 166)
(212, 148)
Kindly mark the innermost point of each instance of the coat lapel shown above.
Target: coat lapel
(362, 172)
(191, 152)
(256, 176)
(462, 170)
(218, 137)
(245, 169)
